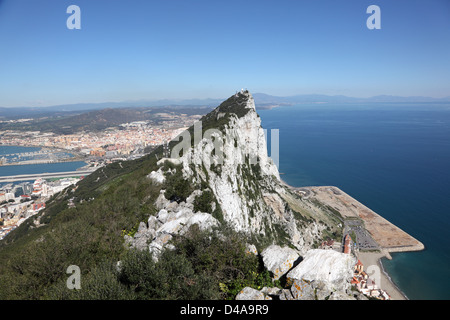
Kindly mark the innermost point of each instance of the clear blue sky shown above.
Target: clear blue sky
(132, 50)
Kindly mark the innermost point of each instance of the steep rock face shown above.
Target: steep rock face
(219, 172)
(224, 158)
(236, 173)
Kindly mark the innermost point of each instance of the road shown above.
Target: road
(28, 177)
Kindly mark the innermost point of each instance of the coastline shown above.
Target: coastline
(56, 149)
(385, 281)
(338, 199)
(74, 156)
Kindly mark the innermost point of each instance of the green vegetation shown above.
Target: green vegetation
(353, 236)
(34, 259)
(223, 259)
(221, 116)
(177, 187)
(204, 265)
(203, 202)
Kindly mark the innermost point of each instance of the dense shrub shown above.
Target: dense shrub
(172, 277)
(203, 202)
(34, 259)
(224, 257)
(177, 188)
(99, 284)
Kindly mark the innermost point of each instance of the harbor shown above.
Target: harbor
(30, 178)
(42, 156)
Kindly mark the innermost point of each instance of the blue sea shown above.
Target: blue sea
(35, 168)
(394, 158)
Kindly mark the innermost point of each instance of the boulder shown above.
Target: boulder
(285, 294)
(271, 291)
(172, 226)
(141, 238)
(205, 221)
(160, 243)
(251, 249)
(279, 260)
(161, 202)
(157, 176)
(163, 216)
(302, 290)
(250, 294)
(333, 269)
(153, 223)
(338, 295)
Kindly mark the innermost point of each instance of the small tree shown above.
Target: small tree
(202, 202)
(177, 188)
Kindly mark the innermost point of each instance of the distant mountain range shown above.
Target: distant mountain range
(262, 101)
(97, 120)
(263, 98)
(79, 108)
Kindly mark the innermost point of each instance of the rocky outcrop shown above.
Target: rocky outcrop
(172, 219)
(321, 275)
(279, 260)
(300, 290)
(250, 294)
(226, 168)
(240, 171)
(228, 157)
(332, 269)
(157, 176)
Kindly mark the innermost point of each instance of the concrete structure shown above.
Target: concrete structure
(27, 177)
(347, 244)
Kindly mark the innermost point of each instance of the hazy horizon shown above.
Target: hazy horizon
(397, 98)
(155, 50)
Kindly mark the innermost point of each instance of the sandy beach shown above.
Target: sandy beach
(388, 237)
(373, 259)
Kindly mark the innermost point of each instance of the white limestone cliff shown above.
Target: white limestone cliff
(229, 162)
(244, 180)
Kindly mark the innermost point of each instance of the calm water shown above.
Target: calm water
(395, 159)
(35, 168)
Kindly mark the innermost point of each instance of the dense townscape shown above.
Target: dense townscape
(20, 201)
(116, 141)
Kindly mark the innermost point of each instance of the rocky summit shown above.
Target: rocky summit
(226, 154)
(240, 182)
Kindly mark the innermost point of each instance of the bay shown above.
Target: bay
(34, 168)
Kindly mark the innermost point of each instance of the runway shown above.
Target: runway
(27, 177)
